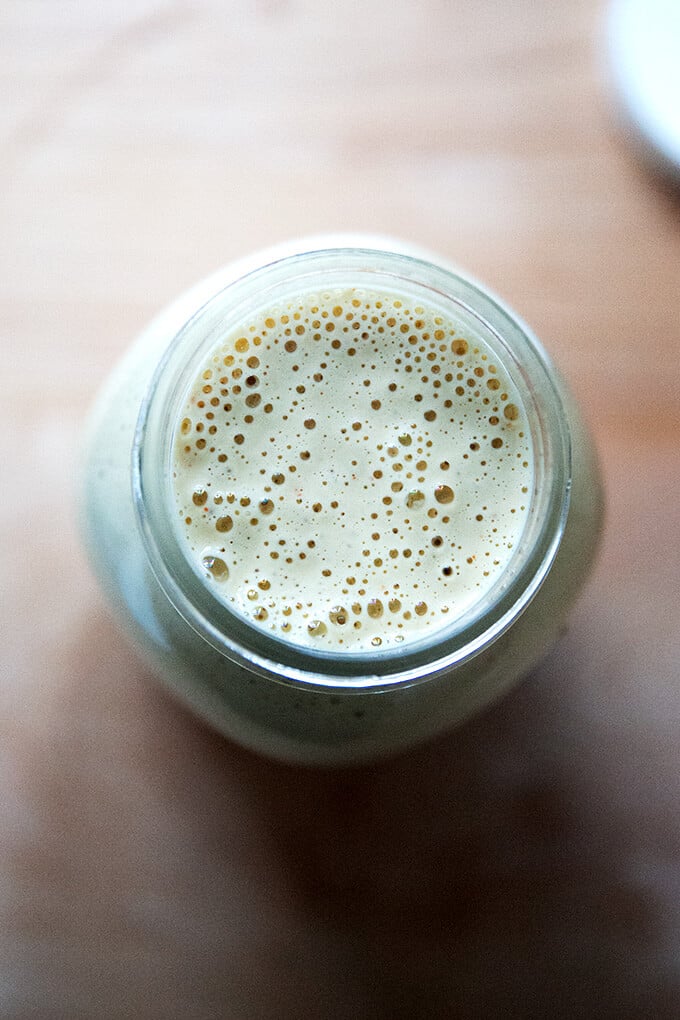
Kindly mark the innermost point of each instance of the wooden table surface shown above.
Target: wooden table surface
(527, 865)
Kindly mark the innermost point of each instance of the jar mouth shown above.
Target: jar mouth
(468, 634)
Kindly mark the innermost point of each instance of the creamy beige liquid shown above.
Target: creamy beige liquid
(352, 471)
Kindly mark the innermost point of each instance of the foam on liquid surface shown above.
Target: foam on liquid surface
(352, 470)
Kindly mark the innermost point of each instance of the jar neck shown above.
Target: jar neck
(517, 351)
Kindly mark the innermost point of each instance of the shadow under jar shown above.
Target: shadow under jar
(341, 498)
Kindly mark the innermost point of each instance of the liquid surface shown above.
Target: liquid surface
(352, 471)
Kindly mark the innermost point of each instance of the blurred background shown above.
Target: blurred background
(146, 143)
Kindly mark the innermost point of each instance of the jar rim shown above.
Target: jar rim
(467, 636)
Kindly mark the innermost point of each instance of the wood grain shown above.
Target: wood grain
(527, 866)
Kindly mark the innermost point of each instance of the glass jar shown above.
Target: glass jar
(280, 698)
